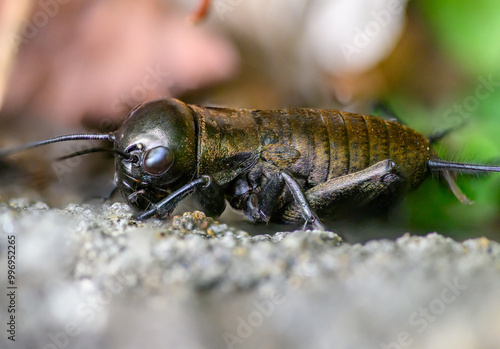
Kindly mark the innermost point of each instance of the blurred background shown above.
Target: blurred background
(68, 66)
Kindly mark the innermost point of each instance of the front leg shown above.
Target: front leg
(167, 205)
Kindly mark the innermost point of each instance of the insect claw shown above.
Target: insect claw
(313, 224)
(206, 181)
(147, 214)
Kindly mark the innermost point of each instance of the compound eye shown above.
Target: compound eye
(158, 160)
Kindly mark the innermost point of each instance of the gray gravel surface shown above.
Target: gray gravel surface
(92, 277)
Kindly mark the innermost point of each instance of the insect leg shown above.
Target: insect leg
(354, 189)
(167, 205)
(301, 202)
(258, 205)
(266, 202)
(137, 195)
(210, 199)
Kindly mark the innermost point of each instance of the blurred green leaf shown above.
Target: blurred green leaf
(468, 30)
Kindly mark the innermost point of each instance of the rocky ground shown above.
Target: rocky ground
(92, 277)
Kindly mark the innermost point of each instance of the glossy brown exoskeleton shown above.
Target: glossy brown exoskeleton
(275, 165)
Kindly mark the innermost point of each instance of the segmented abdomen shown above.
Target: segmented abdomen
(368, 139)
(333, 143)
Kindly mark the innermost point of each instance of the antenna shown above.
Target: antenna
(74, 137)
